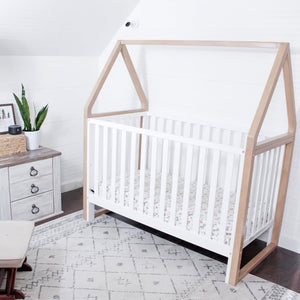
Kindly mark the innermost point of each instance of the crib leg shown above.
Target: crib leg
(228, 269)
(90, 215)
(269, 235)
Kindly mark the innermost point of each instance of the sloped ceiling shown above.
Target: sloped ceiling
(60, 27)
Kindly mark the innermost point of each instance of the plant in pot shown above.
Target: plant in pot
(31, 132)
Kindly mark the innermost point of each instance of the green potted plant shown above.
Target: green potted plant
(31, 131)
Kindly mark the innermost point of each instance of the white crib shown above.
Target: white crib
(214, 187)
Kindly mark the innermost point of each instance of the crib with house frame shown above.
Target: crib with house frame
(214, 187)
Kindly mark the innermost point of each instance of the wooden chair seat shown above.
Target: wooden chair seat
(15, 237)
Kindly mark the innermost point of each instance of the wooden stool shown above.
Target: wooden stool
(14, 240)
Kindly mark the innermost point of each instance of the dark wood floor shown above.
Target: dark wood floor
(281, 267)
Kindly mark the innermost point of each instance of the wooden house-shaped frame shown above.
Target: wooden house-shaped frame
(253, 147)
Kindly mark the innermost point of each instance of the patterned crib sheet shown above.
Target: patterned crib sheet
(179, 202)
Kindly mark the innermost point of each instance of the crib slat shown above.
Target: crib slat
(133, 150)
(96, 162)
(267, 183)
(257, 192)
(252, 199)
(187, 184)
(176, 161)
(104, 162)
(152, 175)
(226, 196)
(199, 193)
(212, 193)
(267, 197)
(113, 163)
(196, 134)
(142, 172)
(266, 156)
(163, 179)
(122, 167)
(276, 182)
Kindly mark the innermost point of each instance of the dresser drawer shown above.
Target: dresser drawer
(33, 169)
(33, 208)
(31, 187)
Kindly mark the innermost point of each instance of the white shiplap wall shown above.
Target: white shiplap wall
(233, 95)
(52, 47)
(64, 83)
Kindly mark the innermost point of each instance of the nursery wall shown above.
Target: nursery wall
(63, 83)
(52, 47)
(226, 84)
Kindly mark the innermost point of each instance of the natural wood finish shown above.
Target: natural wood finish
(256, 260)
(100, 82)
(134, 77)
(101, 211)
(28, 156)
(274, 142)
(241, 217)
(92, 99)
(12, 144)
(266, 96)
(282, 61)
(289, 93)
(117, 113)
(287, 160)
(247, 44)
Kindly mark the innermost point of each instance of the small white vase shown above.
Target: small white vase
(32, 139)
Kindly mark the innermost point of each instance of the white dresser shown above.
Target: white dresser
(30, 185)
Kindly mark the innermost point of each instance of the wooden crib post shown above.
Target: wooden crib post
(235, 257)
(287, 159)
(282, 61)
(119, 48)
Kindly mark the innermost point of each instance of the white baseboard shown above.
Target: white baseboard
(71, 185)
(286, 242)
(289, 243)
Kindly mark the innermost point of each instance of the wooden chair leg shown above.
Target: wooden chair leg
(10, 283)
(10, 293)
(25, 267)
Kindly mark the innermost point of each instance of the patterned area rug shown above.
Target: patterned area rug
(109, 259)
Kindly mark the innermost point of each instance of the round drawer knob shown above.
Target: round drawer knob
(34, 189)
(34, 209)
(33, 171)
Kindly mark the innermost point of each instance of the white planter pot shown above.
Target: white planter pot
(32, 139)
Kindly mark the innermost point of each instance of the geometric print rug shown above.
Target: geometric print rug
(108, 259)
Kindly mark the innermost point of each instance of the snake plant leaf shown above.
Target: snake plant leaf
(27, 111)
(24, 113)
(40, 118)
(23, 91)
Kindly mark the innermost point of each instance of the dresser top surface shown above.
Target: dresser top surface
(28, 156)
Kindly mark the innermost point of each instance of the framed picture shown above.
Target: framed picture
(7, 117)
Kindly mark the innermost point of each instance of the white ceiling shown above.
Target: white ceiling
(60, 27)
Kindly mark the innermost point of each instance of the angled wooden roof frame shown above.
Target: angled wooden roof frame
(281, 62)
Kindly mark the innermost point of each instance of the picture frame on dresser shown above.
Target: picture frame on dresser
(7, 117)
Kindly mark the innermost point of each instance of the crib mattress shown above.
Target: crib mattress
(168, 194)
